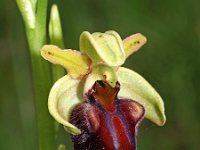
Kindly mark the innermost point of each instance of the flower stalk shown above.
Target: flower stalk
(35, 25)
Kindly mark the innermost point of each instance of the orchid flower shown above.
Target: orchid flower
(99, 102)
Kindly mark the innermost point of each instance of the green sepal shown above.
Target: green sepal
(103, 47)
(135, 87)
(64, 95)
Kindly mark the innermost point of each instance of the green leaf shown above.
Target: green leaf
(103, 47)
(64, 95)
(33, 4)
(56, 38)
(55, 29)
(133, 43)
(77, 64)
(135, 87)
(26, 8)
(35, 23)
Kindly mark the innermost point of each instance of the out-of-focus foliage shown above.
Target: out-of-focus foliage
(169, 61)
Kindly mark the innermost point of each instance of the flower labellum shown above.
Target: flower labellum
(99, 102)
(106, 121)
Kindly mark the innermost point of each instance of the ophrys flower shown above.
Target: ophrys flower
(99, 102)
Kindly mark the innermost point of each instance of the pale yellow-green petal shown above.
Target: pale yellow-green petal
(135, 87)
(133, 43)
(101, 72)
(77, 64)
(64, 95)
(103, 47)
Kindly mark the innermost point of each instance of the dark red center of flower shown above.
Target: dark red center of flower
(106, 122)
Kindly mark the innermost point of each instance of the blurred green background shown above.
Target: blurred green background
(170, 61)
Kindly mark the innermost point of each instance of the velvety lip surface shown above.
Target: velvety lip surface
(106, 122)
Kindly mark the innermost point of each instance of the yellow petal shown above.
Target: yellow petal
(133, 43)
(77, 64)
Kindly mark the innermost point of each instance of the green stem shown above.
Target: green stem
(36, 36)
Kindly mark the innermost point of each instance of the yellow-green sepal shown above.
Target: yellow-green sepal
(64, 95)
(103, 47)
(133, 43)
(76, 63)
(135, 87)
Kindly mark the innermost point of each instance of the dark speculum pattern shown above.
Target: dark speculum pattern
(106, 122)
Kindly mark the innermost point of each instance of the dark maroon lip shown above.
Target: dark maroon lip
(102, 84)
(108, 117)
(110, 124)
(109, 94)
